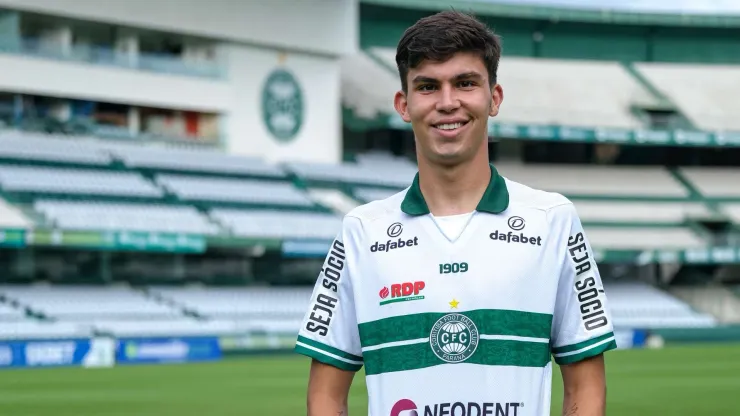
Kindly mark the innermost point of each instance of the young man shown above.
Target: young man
(455, 293)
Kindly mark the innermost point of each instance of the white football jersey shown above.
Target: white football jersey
(461, 327)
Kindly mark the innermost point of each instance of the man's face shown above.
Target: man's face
(448, 105)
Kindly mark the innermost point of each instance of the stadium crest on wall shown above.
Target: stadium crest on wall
(282, 105)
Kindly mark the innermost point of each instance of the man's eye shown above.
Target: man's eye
(467, 84)
(426, 87)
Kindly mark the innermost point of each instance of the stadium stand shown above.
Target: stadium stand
(353, 173)
(41, 147)
(704, 93)
(664, 213)
(87, 303)
(714, 182)
(70, 181)
(640, 305)
(86, 215)
(189, 188)
(12, 217)
(367, 87)
(191, 159)
(605, 181)
(273, 224)
(240, 303)
(535, 89)
(718, 301)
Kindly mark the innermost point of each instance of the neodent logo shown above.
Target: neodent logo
(406, 407)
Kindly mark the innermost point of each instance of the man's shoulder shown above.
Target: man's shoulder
(524, 196)
(378, 209)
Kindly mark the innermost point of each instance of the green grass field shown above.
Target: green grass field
(696, 380)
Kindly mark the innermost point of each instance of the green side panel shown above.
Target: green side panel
(729, 333)
(696, 45)
(595, 42)
(384, 26)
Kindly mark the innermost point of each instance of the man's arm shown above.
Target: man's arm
(584, 387)
(328, 388)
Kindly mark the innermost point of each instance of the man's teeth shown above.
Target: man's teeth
(451, 126)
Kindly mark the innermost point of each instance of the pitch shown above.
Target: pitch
(686, 380)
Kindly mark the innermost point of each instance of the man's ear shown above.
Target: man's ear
(497, 97)
(400, 102)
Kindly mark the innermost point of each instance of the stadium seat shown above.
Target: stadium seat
(706, 94)
(12, 217)
(257, 303)
(642, 238)
(623, 181)
(50, 148)
(641, 211)
(714, 182)
(10, 314)
(87, 303)
(640, 305)
(75, 181)
(367, 87)
(353, 173)
(192, 188)
(191, 159)
(278, 224)
(125, 217)
(28, 330)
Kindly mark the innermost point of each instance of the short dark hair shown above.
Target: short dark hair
(440, 36)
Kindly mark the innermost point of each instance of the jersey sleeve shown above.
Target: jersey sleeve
(329, 331)
(582, 325)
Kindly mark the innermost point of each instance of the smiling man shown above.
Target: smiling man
(455, 293)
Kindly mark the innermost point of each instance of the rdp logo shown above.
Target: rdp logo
(402, 292)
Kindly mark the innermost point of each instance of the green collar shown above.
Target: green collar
(495, 199)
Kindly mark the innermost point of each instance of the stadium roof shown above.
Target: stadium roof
(707, 13)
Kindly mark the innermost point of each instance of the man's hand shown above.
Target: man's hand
(328, 388)
(584, 386)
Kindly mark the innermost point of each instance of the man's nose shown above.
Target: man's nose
(448, 100)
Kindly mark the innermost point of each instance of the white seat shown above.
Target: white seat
(595, 180)
(234, 302)
(49, 148)
(706, 94)
(642, 238)
(717, 182)
(125, 217)
(640, 305)
(191, 159)
(81, 303)
(234, 190)
(640, 211)
(75, 181)
(279, 224)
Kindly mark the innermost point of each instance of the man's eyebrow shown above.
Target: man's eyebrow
(419, 79)
(467, 75)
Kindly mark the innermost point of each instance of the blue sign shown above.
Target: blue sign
(167, 349)
(44, 353)
(306, 248)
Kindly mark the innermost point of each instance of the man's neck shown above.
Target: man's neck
(456, 189)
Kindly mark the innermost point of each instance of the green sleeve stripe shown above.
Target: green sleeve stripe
(592, 352)
(327, 359)
(329, 349)
(580, 345)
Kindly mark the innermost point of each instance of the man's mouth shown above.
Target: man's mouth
(450, 127)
